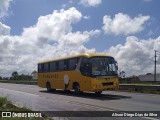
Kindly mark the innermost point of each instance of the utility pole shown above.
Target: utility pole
(155, 62)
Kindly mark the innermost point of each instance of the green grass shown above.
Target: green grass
(140, 91)
(29, 82)
(142, 82)
(6, 105)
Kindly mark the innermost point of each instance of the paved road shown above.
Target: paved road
(35, 98)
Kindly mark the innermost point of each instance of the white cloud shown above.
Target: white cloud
(92, 3)
(4, 29)
(136, 56)
(73, 39)
(123, 24)
(54, 26)
(51, 37)
(86, 17)
(4, 5)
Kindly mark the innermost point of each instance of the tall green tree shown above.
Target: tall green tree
(15, 75)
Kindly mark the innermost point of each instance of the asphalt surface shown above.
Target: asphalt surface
(38, 99)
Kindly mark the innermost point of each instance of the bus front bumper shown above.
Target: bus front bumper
(101, 87)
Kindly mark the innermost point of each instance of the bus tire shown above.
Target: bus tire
(98, 93)
(48, 86)
(76, 89)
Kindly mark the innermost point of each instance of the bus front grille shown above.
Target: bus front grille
(107, 83)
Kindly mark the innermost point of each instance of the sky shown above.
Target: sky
(36, 30)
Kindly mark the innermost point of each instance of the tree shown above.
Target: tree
(0, 78)
(122, 74)
(148, 73)
(15, 75)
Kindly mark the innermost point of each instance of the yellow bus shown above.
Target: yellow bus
(83, 72)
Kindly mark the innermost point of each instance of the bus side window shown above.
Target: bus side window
(53, 66)
(42, 68)
(72, 63)
(85, 67)
(61, 65)
(46, 67)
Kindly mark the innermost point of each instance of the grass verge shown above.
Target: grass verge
(6, 105)
(140, 90)
(28, 82)
(142, 82)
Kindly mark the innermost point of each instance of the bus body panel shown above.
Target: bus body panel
(86, 83)
(58, 81)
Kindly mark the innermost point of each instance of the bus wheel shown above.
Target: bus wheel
(77, 89)
(98, 93)
(48, 86)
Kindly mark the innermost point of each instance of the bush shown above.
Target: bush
(2, 101)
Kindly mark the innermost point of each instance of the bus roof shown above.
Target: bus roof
(87, 55)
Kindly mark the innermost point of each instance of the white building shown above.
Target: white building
(149, 77)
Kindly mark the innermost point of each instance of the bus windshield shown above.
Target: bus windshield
(103, 66)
